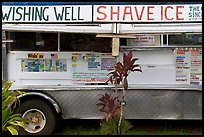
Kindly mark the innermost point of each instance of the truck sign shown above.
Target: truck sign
(102, 13)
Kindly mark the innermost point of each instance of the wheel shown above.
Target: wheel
(42, 117)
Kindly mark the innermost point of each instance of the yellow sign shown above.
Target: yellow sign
(35, 55)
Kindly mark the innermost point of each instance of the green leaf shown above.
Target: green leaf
(10, 120)
(18, 123)
(12, 130)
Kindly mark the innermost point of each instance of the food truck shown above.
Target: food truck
(60, 53)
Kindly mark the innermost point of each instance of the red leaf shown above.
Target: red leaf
(127, 57)
(133, 61)
(137, 70)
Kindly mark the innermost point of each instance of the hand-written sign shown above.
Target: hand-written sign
(103, 13)
(148, 13)
(66, 13)
(33, 55)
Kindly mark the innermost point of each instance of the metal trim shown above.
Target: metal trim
(50, 99)
(110, 87)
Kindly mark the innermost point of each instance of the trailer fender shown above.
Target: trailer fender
(44, 96)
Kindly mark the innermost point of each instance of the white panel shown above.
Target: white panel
(44, 76)
(161, 28)
(44, 82)
(32, 78)
(76, 28)
(158, 67)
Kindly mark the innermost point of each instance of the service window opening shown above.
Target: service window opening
(37, 41)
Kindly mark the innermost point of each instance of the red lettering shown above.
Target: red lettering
(127, 13)
(177, 12)
(139, 17)
(165, 13)
(117, 12)
(104, 14)
(148, 13)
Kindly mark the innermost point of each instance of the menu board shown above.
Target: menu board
(92, 67)
(37, 63)
(196, 66)
(189, 66)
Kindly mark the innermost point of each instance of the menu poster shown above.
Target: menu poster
(92, 67)
(94, 63)
(196, 66)
(189, 66)
(43, 65)
(83, 77)
(183, 58)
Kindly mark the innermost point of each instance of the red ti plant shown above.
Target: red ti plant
(122, 70)
(119, 75)
(109, 106)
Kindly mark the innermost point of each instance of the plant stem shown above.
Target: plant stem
(120, 120)
(116, 93)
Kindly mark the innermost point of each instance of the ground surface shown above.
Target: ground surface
(140, 127)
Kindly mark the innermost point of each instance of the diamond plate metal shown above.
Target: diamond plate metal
(140, 104)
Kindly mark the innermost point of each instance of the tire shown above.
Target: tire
(42, 116)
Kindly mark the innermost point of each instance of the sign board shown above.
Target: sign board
(142, 40)
(102, 13)
(189, 66)
(147, 13)
(92, 67)
(67, 13)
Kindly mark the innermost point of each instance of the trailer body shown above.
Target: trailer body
(87, 40)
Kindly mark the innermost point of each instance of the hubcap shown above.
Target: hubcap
(37, 120)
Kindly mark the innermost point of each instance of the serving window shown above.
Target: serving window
(36, 41)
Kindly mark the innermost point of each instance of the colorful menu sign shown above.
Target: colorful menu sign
(196, 66)
(189, 66)
(36, 63)
(92, 67)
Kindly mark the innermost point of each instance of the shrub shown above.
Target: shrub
(10, 120)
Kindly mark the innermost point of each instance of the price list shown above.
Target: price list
(183, 62)
(196, 66)
(189, 66)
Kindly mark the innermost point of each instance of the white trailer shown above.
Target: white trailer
(61, 55)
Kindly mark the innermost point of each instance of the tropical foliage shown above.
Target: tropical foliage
(10, 120)
(112, 106)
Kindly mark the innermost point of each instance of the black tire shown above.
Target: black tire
(37, 108)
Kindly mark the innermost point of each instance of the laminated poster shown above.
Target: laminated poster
(43, 65)
(183, 65)
(196, 66)
(92, 67)
(189, 66)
